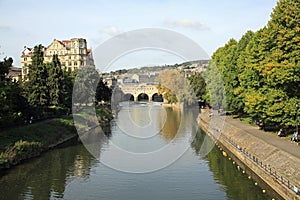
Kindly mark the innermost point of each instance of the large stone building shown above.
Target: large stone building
(72, 54)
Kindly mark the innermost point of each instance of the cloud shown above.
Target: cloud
(111, 30)
(186, 23)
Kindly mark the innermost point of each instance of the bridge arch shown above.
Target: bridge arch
(128, 97)
(137, 89)
(143, 97)
(157, 97)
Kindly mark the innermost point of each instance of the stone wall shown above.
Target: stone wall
(277, 168)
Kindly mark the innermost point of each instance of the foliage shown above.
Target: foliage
(175, 88)
(103, 92)
(85, 85)
(198, 84)
(38, 94)
(261, 71)
(13, 105)
(215, 92)
(55, 82)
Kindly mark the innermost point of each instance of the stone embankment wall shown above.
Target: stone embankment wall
(277, 168)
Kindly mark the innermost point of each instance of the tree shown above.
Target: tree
(67, 91)
(215, 88)
(273, 64)
(198, 84)
(55, 82)
(175, 88)
(37, 93)
(261, 70)
(13, 105)
(103, 92)
(4, 69)
(85, 85)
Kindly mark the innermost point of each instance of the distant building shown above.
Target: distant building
(72, 54)
(15, 73)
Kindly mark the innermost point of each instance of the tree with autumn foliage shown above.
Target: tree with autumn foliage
(175, 88)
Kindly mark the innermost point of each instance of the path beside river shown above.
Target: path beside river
(273, 159)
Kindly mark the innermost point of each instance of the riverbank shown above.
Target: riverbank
(30, 140)
(257, 151)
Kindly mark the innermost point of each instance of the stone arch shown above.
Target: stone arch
(157, 97)
(128, 97)
(143, 97)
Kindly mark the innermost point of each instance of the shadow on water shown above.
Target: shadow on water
(46, 177)
(236, 184)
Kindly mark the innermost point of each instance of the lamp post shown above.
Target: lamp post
(297, 107)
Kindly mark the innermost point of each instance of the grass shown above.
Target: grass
(46, 132)
(26, 141)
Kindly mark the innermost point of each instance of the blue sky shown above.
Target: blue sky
(210, 23)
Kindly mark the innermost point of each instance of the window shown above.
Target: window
(75, 63)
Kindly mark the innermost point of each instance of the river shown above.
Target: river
(72, 172)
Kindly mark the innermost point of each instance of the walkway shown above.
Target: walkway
(272, 139)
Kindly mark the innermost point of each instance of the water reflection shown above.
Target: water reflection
(47, 175)
(235, 184)
(172, 123)
(71, 172)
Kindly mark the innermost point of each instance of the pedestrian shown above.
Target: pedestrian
(294, 137)
(280, 133)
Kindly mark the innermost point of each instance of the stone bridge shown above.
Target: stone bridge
(140, 92)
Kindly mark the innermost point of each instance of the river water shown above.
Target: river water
(72, 172)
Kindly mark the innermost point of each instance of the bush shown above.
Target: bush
(19, 151)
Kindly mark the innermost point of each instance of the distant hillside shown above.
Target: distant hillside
(185, 65)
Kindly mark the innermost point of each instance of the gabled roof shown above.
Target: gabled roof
(27, 51)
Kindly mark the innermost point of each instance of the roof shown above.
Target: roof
(15, 71)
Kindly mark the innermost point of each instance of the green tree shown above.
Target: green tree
(37, 93)
(215, 88)
(68, 83)
(85, 85)
(103, 92)
(55, 82)
(13, 105)
(198, 84)
(4, 69)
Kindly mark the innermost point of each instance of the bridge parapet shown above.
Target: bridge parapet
(138, 89)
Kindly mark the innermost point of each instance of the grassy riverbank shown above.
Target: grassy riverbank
(30, 140)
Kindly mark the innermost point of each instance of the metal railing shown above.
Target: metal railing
(266, 167)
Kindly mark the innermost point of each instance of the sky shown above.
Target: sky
(209, 23)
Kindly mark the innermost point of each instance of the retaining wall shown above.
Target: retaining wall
(277, 168)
